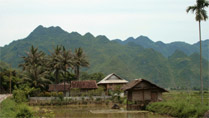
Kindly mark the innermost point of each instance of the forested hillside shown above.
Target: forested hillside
(169, 48)
(177, 68)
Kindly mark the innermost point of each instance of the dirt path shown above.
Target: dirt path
(4, 96)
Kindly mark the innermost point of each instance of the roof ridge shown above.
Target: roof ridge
(106, 79)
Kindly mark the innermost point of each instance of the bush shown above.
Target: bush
(61, 95)
(8, 108)
(22, 92)
(75, 92)
(54, 94)
(19, 96)
(47, 94)
(11, 109)
(24, 112)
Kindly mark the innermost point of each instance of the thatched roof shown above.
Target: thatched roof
(135, 82)
(59, 87)
(112, 78)
(84, 84)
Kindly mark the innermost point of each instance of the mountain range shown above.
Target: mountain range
(172, 65)
(169, 48)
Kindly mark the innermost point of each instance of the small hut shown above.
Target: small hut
(140, 92)
(84, 85)
(111, 81)
(61, 87)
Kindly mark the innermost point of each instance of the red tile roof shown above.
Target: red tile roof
(59, 87)
(84, 84)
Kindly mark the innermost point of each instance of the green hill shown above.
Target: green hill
(130, 60)
(169, 48)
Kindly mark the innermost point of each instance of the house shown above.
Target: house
(111, 81)
(61, 87)
(140, 92)
(84, 85)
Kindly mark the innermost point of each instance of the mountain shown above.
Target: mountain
(168, 49)
(125, 58)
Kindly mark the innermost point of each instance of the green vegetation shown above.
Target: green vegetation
(80, 60)
(7, 74)
(39, 69)
(130, 61)
(22, 93)
(181, 105)
(167, 49)
(11, 109)
(93, 76)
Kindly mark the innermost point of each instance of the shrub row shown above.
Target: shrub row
(50, 94)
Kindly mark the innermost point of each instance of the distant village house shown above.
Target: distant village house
(140, 92)
(111, 81)
(84, 85)
(61, 87)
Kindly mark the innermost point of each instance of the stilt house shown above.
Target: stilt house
(111, 81)
(140, 92)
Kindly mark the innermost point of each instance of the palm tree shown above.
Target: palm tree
(66, 62)
(33, 59)
(79, 59)
(55, 64)
(200, 15)
(34, 66)
(37, 77)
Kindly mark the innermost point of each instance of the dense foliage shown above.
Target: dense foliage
(169, 48)
(11, 109)
(129, 61)
(8, 76)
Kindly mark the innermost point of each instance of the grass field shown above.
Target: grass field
(181, 104)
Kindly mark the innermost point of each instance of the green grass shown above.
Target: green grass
(11, 109)
(181, 104)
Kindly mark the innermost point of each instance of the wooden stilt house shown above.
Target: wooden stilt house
(140, 92)
(111, 81)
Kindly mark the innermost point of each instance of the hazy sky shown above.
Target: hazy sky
(160, 20)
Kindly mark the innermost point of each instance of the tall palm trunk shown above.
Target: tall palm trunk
(65, 79)
(78, 72)
(64, 83)
(56, 77)
(201, 81)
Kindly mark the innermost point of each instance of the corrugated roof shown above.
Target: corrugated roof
(108, 79)
(133, 83)
(84, 84)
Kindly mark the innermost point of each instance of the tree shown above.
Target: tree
(66, 62)
(55, 64)
(94, 76)
(34, 66)
(201, 14)
(79, 59)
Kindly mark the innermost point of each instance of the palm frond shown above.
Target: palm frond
(204, 14)
(191, 8)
